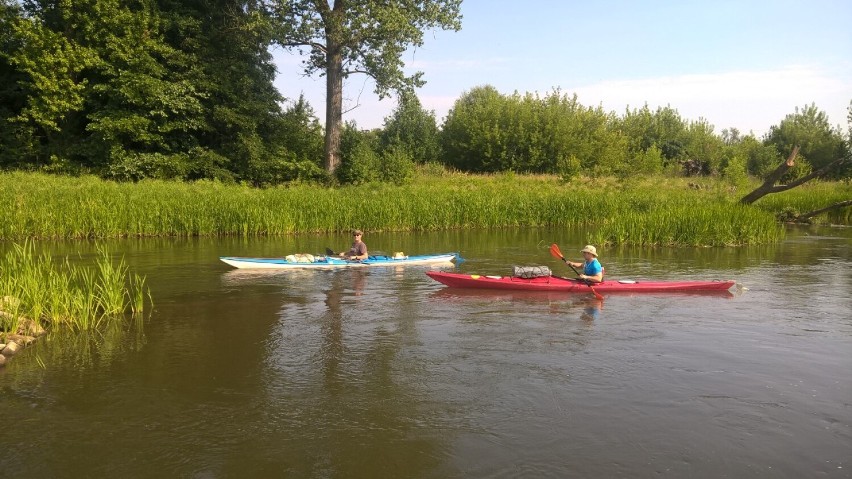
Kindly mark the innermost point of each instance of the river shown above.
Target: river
(386, 373)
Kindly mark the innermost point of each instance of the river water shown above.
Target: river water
(386, 373)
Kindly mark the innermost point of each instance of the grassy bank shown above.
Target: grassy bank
(59, 294)
(639, 212)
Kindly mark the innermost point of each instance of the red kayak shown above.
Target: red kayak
(558, 283)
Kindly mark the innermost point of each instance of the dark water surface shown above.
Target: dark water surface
(385, 373)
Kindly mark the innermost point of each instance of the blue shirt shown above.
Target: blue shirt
(591, 268)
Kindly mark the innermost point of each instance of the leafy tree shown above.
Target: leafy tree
(149, 88)
(760, 158)
(471, 136)
(663, 128)
(14, 147)
(702, 146)
(487, 131)
(397, 165)
(412, 129)
(820, 143)
(360, 162)
(358, 36)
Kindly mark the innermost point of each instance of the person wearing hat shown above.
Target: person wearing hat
(592, 269)
(358, 251)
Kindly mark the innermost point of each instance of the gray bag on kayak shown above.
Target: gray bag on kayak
(528, 272)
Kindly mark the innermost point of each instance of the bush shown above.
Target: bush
(397, 165)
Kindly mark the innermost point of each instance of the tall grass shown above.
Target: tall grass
(59, 294)
(811, 197)
(658, 211)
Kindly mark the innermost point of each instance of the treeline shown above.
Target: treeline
(164, 89)
(132, 89)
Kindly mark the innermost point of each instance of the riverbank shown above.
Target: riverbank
(657, 211)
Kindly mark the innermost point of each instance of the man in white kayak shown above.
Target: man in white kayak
(358, 251)
(592, 269)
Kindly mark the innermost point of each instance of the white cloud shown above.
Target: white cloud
(747, 100)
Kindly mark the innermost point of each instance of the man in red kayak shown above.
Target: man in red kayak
(592, 269)
(358, 251)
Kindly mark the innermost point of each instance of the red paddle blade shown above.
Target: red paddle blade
(554, 251)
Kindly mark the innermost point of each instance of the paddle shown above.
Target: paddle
(330, 252)
(554, 251)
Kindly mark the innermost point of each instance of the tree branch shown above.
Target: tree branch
(825, 169)
(835, 206)
(318, 46)
(768, 185)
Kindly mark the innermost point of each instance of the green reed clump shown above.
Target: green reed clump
(656, 211)
(61, 294)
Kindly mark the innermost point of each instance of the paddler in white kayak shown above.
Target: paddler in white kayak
(358, 251)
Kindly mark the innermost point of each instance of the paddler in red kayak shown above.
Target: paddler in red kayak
(358, 251)
(592, 269)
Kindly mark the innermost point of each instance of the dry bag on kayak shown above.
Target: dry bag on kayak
(528, 272)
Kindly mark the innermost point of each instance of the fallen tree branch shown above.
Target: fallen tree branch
(769, 186)
(769, 183)
(835, 206)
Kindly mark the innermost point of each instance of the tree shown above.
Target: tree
(820, 143)
(412, 129)
(358, 36)
(148, 88)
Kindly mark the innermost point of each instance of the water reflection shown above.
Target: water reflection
(591, 309)
(338, 361)
(85, 350)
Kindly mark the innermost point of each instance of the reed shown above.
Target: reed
(657, 211)
(59, 294)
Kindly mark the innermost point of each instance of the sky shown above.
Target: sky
(736, 64)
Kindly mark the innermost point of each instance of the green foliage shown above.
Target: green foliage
(412, 129)
(704, 147)
(663, 128)
(59, 294)
(761, 158)
(801, 169)
(360, 161)
(370, 36)
(489, 132)
(820, 143)
(735, 171)
(397, 165)
(648, 162)
(568, 168)
(148, 90)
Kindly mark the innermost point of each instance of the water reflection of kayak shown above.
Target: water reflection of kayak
(330, 262)
(558, 283)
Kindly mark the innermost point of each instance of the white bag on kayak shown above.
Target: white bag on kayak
(299, 258)
(528, 272)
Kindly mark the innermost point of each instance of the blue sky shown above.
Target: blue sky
(740, 64)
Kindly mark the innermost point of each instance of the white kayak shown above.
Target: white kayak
(332, 262)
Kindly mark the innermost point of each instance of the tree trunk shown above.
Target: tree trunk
(836, 206)
(768, 185)
(333, 107)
